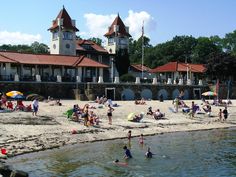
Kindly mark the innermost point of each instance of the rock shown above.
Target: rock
(18, 173)
(5, 170)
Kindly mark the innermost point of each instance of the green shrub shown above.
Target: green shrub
(127, 78)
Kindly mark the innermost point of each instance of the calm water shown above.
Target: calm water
(201, 154)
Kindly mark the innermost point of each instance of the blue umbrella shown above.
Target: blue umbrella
(18, 97)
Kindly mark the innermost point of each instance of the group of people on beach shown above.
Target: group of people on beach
(157, 114)
(88, 116)
(18, 105)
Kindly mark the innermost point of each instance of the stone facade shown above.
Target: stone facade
(89, 91)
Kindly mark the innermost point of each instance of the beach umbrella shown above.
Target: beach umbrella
(209, 93)
(15, 95)
(33, 96)
(131, 116)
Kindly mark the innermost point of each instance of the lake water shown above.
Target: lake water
(209, 153)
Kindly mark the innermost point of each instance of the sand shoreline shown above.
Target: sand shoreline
(22, 133)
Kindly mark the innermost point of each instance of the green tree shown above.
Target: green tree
(96, 40)
(122, 61)
(204, 50)
(229, 42)
(39, 48)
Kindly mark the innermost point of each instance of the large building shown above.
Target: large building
(117, 36)
(70, 59)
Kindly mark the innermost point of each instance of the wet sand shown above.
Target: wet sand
(20, 132)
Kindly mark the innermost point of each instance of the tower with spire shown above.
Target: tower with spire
(117, 36)
(63, 38)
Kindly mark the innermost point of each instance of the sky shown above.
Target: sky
(26, 21)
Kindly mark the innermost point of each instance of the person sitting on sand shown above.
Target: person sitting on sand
(75, 114)
(158, 114)
(137, 118)
(149, 154)
(10, 105)
(19, 105)
(136, 102)
(207, 109)
(93, 118)
(150, 112)
(127, 153)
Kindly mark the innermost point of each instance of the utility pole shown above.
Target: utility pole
(142, 47)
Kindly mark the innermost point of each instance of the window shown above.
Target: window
(110, 40)
(67, 35)
(122, 41)
(54, 35)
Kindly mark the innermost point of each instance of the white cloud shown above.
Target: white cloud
(98, 24)
(135, 21)
(7, 37)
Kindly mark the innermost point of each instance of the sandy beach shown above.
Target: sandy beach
(20, 132)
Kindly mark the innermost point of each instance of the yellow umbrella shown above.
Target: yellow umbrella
(13, 93)
(131, 116)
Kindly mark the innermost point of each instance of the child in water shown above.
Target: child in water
(127, 153)
(148, 154)
(141, 139)
(129, 135)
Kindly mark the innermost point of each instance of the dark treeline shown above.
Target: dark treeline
(218, 54)
(35, 48)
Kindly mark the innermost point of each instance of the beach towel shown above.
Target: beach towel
(69, 113)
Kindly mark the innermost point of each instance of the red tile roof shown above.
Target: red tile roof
(139, 67)
(181, 67)
(66, 21)
(92, 44)
(62, 60)
(121, 32)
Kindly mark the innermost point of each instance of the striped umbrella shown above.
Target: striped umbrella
(15, 94)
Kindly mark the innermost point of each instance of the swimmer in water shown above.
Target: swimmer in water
(127, 153)
(117, 162)
(149, 154)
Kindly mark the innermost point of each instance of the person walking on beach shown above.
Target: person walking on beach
(220, 115)
(127, 153)
(176, 104)
(109, 113)
(225, 113)
(35, 107)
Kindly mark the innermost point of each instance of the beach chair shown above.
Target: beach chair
(69, 113)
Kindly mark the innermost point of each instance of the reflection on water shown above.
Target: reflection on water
(202, 153)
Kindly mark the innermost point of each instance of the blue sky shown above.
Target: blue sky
(27, 20)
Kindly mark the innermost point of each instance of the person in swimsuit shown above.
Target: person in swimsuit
(109, 113)
(141, 139)
(127, 153)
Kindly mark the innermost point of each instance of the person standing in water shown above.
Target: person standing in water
(109, 113)
(148, 154)
(127, 153)
(141, 139)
